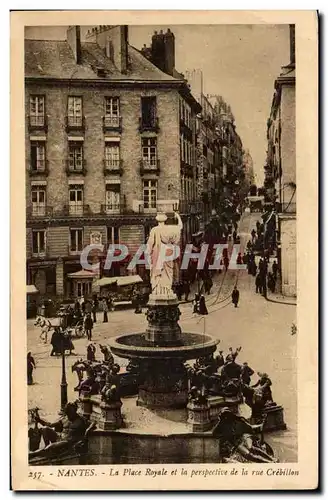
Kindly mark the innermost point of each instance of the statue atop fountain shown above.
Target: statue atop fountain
(162, 243)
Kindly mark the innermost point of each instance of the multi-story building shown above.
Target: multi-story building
(110, 140)
(280, 169)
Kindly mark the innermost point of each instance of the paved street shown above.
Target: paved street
(261, 327)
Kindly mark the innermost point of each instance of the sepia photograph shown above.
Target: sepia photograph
(161, 223)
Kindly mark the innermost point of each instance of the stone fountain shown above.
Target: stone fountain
(163, 348)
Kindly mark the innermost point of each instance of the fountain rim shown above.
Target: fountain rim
(183, 351)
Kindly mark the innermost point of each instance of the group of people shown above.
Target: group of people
(264, 279)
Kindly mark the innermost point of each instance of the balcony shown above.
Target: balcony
(77, 167)
(112, 122)
(113, 166)
(38, 122)
(76, 210)
(75, 123)
(110, 209)
(39, 211)
(39, 167)
(151, 126)
(149, 166)
(40, 253)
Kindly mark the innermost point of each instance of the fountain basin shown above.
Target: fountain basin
(189, 346)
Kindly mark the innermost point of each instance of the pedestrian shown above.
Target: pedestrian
(77, 308)
(239, 259)
(88, 325)
(275, 269)
(91, 353)
(258, 283)
(254, 268)
(235, 296)
(246, 373)
(105, 310)
(88, 307)
(94, 310)
(249, 245)
(202, 306)
(226, 262)
(234, 235)
(82, 304)
(30, 368)
(138, 308)
(196, 303)
(253, 233)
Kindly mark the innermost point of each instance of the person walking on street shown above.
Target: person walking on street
(88, 325)
(30, 368)
(258, 283)
(202, 306)
(88, 307)
(105, 310)
(275, 269)
(235, 296)
(196, 303)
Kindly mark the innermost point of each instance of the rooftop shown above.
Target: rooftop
(55, 59)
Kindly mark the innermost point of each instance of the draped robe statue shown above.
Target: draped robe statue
(163, 272)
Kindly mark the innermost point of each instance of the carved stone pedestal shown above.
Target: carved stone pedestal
(164, 384)
(163, 328)
(274, 418)
(111, 416)
(199, 417)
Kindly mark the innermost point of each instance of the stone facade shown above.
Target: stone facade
(130, 219)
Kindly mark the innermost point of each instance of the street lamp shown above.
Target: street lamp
(63, 384)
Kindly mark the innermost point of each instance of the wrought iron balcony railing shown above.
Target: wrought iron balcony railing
(38, 167)
(38, 122)
(76, 210)
(148, 126)
(74, 122)
(113, 166)
(76, 167)
(108, 208)
(112, 122)
(39, 211)
(150, 166)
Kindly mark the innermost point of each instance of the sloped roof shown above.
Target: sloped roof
(54, 59)
(82, 274)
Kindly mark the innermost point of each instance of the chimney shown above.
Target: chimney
(73, 37)
(114, 41)
(158, 50)
(169, 44)
(292, 43)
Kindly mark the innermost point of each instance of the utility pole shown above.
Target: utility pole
(63, 384)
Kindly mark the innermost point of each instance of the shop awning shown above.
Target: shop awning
(119, 280)
(31, 289)
(82, 274)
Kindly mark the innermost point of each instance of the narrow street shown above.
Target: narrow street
(258, 325)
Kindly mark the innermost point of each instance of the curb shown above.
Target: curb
(281, 302)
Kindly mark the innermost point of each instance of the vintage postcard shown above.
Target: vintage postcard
(164, 250)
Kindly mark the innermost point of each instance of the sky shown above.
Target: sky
(239, 62)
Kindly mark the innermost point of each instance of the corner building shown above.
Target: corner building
(103, 150)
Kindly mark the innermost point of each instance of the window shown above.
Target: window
(39, 242)
(149, 151)
(38, 201)
(150, 194)
(37, 110)
(113, 235)
(75, 111)
(38, 153)
(148, 112)
(76, 240)
(112, 154)
(76, 201)
(112, 111)
(113, 196)
(75, 159)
